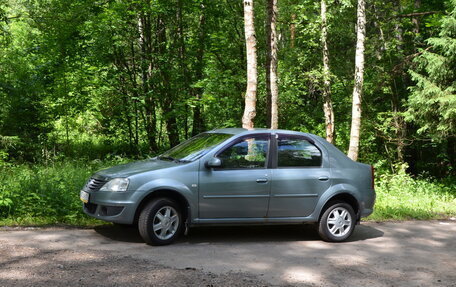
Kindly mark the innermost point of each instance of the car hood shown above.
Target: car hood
(126, 170)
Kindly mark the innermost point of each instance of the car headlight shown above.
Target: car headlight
(116, 184)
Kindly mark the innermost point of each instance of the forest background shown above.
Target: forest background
(88, 84)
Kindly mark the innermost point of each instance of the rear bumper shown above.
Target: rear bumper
(367, 207)
(366, 212)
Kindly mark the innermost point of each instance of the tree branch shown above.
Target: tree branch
(418, 14)
(407, 59)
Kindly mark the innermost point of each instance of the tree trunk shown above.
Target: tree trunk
(250, 43)
(185, 75)
(399, 33)
(145, 38)
(271, 66)
(379, 52)
(173, 128)
(415, 20)
(327, 102)
(198, 123)
(168, 98)
(451, 152)
(359, 79)
(292, 30)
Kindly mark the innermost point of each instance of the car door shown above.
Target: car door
(240, 187)
(300, 178)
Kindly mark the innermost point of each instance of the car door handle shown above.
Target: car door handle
(262, 180)
(323, 178)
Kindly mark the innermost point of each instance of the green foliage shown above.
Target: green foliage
(82, 79)
(432, 101)
(45, 193)
(5, 144)
(399, 197)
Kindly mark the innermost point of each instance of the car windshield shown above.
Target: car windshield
(195, 147)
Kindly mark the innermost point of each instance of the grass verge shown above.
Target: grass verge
(37, 195)
(401, 197)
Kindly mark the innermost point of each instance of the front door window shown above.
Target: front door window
(247, 153)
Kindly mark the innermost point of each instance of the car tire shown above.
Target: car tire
(160, 222)
(337, 222)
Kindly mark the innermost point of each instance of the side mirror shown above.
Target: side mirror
(213, 162)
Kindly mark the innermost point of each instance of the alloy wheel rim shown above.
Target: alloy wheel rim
(165, 223)
(339, 222)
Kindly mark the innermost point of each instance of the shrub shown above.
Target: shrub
(400, 196)
(35, 194)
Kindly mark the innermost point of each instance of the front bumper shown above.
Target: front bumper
(118, 207)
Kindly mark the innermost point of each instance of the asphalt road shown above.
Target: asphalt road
(411, 253)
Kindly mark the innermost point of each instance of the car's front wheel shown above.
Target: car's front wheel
(160, 222)
(337, 222)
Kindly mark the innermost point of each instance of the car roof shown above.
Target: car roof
(233, 131)
(238, 131)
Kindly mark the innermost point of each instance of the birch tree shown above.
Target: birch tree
(327, 102)
(271, 65)
(250, 43)
(359, 79)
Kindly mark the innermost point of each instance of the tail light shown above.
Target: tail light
(373, 177)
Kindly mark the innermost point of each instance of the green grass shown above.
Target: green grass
(39, 195)
(46, 194)
(51, 221)
(401, 197)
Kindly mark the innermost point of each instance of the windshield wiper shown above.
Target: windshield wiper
(166, 157)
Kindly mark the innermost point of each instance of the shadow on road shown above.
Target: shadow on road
(276, 233)
(364, 232)
(120, 233)
(222, 234)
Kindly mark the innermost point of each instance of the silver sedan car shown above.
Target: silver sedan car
(236, 177)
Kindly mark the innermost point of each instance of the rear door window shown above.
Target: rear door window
(295, 151)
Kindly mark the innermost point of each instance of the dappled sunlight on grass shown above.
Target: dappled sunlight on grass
(401, 197)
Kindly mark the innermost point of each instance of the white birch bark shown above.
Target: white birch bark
(250, 43)
(353, 149)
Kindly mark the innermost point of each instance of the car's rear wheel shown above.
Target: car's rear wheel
(337, 222)
(160, 222)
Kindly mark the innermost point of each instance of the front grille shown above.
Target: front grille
(94, 184)
(110, 210)
(90, 207)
